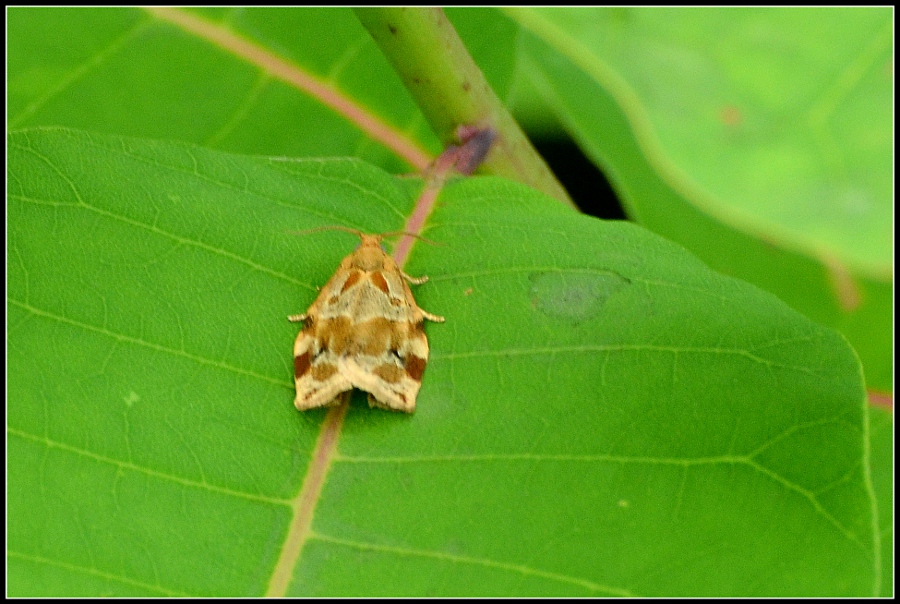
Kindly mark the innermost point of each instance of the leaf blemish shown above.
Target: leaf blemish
(575, 297)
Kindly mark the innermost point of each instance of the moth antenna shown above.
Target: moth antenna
(358, 233)
(333, 227)
(419, 237)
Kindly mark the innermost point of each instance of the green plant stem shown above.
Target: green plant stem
(451, 91)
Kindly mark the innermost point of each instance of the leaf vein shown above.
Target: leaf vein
(132, 340)
(124, 465)
(507, 566)
(95, 572)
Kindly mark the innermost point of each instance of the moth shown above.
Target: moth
(363, 331)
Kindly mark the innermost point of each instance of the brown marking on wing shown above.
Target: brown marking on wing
(336, 334)
(375, 336)
(323, 371)
(351, 281)
(380, 282)
(301, 365)
(389, 373)
(415, 367)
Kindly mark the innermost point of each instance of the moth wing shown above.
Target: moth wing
(398, 395)
(316, 377)
(392, 381)
(312, 394)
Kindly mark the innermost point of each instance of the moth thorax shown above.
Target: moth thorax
(369, 258)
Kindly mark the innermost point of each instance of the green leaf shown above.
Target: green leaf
(601, 414)
(139, 73)
(771, 120)
(135, 73)
(745, 137)
(881, 422)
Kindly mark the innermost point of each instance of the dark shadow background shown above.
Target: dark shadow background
(585, 183)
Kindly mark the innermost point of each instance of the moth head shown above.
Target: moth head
(370, 255)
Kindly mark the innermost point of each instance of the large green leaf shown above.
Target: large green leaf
(882, 451)
(601, 414)
(718, 152)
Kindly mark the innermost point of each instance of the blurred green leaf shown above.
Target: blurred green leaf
(773, 120)
(601, 415)
(126, 71)
(711, 124)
